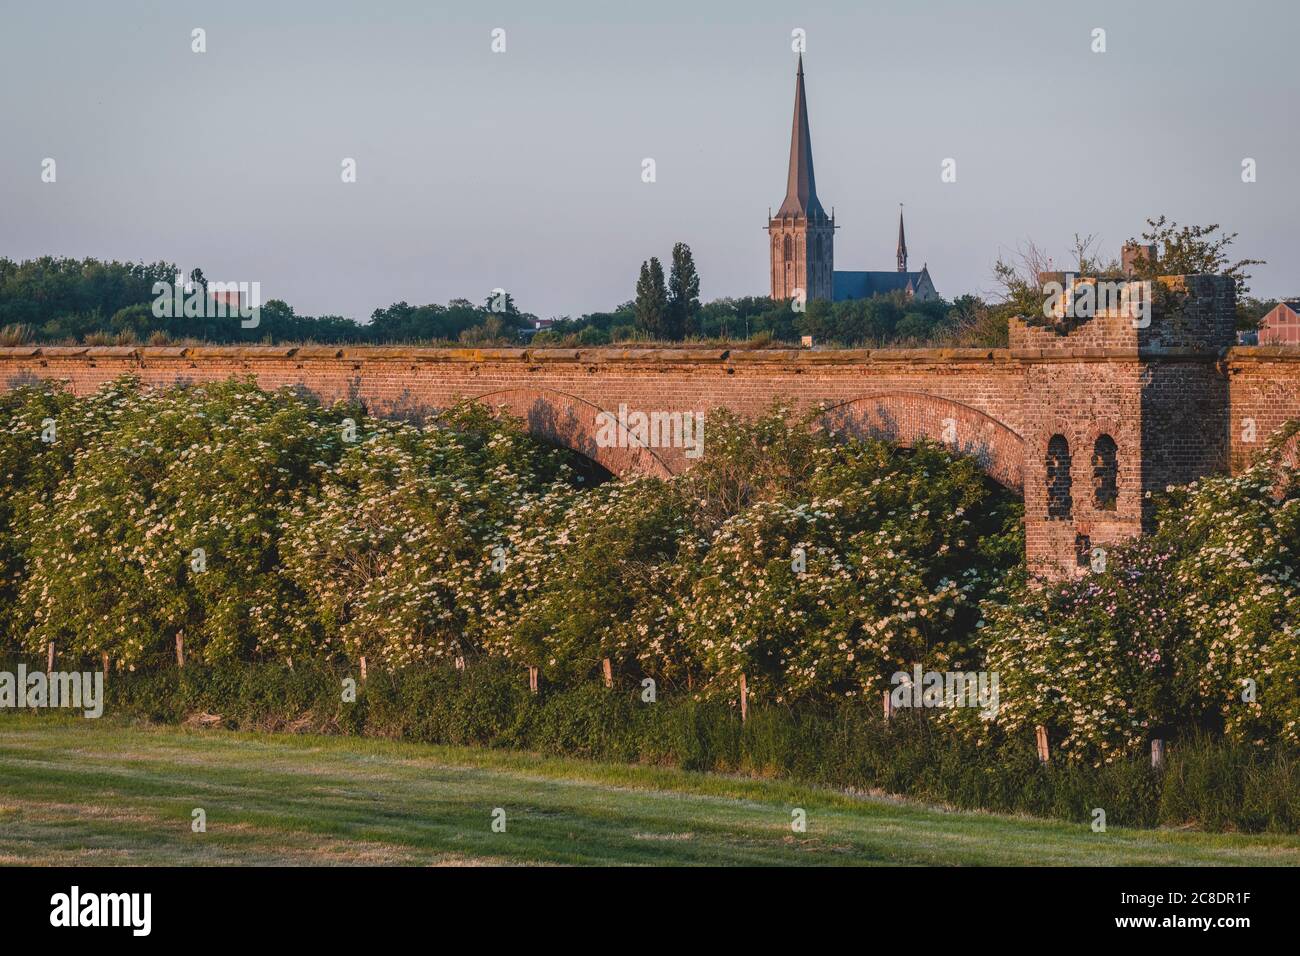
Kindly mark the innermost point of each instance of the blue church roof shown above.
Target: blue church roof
(863, 285)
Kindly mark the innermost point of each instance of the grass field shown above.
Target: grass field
(92, 792)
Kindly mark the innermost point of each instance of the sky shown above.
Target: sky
(522, 169)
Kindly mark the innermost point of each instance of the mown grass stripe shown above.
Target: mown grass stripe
(95, 791)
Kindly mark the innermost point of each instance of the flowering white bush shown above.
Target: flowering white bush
(1241, 596)
(166, 524)
(591, 575)
(879, 567)
(34, 459)
(263, 526)
(1195, 626)
(396, 548)
(1094, 661)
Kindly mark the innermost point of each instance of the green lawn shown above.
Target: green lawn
(92, 792)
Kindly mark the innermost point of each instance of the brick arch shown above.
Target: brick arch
(906, 417)
(570, 422)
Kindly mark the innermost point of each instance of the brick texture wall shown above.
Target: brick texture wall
(1177, 402)
(1159, 388)
(1264, 391)
(560, 391)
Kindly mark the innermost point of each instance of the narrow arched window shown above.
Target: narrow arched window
(1060, 506)
(789, 248)
(1105, 473)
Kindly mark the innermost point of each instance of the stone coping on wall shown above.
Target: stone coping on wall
(1264, 353)
(743, 357)
(520, 355)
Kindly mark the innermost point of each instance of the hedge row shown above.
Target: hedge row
(1212, 784)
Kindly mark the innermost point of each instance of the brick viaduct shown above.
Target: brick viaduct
(1173, 400)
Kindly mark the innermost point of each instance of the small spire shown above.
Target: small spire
(902, 242)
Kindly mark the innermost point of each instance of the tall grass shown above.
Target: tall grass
(1207, 783)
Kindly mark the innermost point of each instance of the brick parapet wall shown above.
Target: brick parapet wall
(1264, 381)
(640, 356)
(559, 391)
(1264, 390)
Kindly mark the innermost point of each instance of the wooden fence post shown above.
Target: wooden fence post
(105, 665)
(1158, 754)
(180, 648)
(532, 679)
(363, 667)
(608, 668)
(1044, 754)
(744, 700)
(887, 704)
(49, 659)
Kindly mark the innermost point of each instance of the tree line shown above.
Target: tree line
(95, 302)
(88, 301)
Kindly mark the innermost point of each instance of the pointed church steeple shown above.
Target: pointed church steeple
(801, 188)
(902, 242)
(801, 235)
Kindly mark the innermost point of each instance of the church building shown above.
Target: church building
(803, 237)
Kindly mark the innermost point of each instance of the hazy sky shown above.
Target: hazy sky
(523, 169)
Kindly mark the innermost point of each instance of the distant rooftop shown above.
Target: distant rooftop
(863, 285)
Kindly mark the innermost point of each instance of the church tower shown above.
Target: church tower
(801, 236)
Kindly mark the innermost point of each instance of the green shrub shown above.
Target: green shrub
(1212, 784)
(814, 567)
(1194, 627)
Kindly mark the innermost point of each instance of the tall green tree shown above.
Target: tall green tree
(499, 302)
(683, 293)
(652, 299)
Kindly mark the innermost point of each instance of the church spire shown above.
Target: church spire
(801, 189)
(902, 243)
